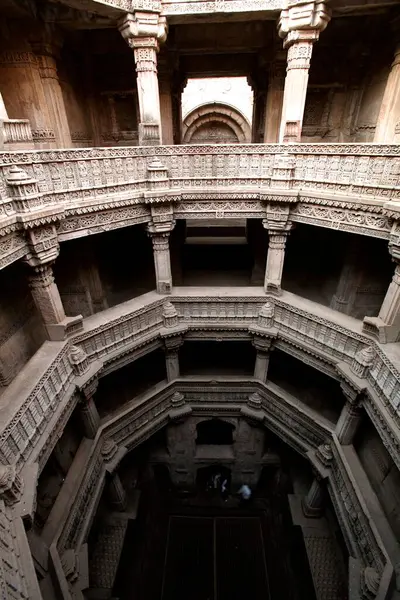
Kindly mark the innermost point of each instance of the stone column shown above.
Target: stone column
(313, 502)
(46, 57)
(46, 295)
(349, 279)
(162, 259)
(386, 326)
(117, 493)
(300, 25)
(165, 75)
(275, 259)
(23, 93)
(263, 346)
(143, 31)
(90, 417)
(172, 346)
(388, 123)
(273, 111)
(348, 423)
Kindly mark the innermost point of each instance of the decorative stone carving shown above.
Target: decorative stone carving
(143, 31)
(79, 360)
(162, 259)
(157, 175)
(109, 450)
(324, 455)
(300, 25)
(170, 315)
(177, 399)
(70, 565)
(363, 361)
(266, 315)
(370, 584)
(11, 485)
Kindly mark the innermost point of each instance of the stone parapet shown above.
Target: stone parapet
(349, 187)
(45, 389)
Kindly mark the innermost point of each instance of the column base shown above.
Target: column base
(149, 134)
(164, 287)
(60, 331)
(381, 331)
(273, 287)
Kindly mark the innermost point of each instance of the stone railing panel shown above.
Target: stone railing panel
(354, 516)
(27, 413)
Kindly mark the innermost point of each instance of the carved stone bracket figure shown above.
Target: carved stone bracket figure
(386, 326)
(144, 30)
(299, 25)
(162, 261)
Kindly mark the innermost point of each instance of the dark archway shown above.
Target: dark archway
(215, 432)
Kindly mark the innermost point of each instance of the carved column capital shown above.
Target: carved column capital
(148, 26)
(11, 485)
(262, 344)
(303, 20)
(41, 277)
(173, 343)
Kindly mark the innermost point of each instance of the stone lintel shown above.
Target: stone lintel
(58, 332)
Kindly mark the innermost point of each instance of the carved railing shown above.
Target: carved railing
(359, 529)
(16, 134)
(66, 183)
(37, 404)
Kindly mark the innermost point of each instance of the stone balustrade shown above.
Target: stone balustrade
(350, 187)
(14, 133)
(41, 398)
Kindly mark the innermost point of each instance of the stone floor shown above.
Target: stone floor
(207, 549)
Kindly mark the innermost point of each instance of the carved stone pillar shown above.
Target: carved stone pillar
(23, 94)
(313, 502)
(386, 326)
(388, 123)
(144, 30)
(300, 25)
(276, 85)
(275, 259)
(46, 57)
(262, 345)
(46, 295)
(162, 259)
(89, 415)
(172, 346)
(348, 423)
(165, 75)
(349, 279)
(117, 492)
